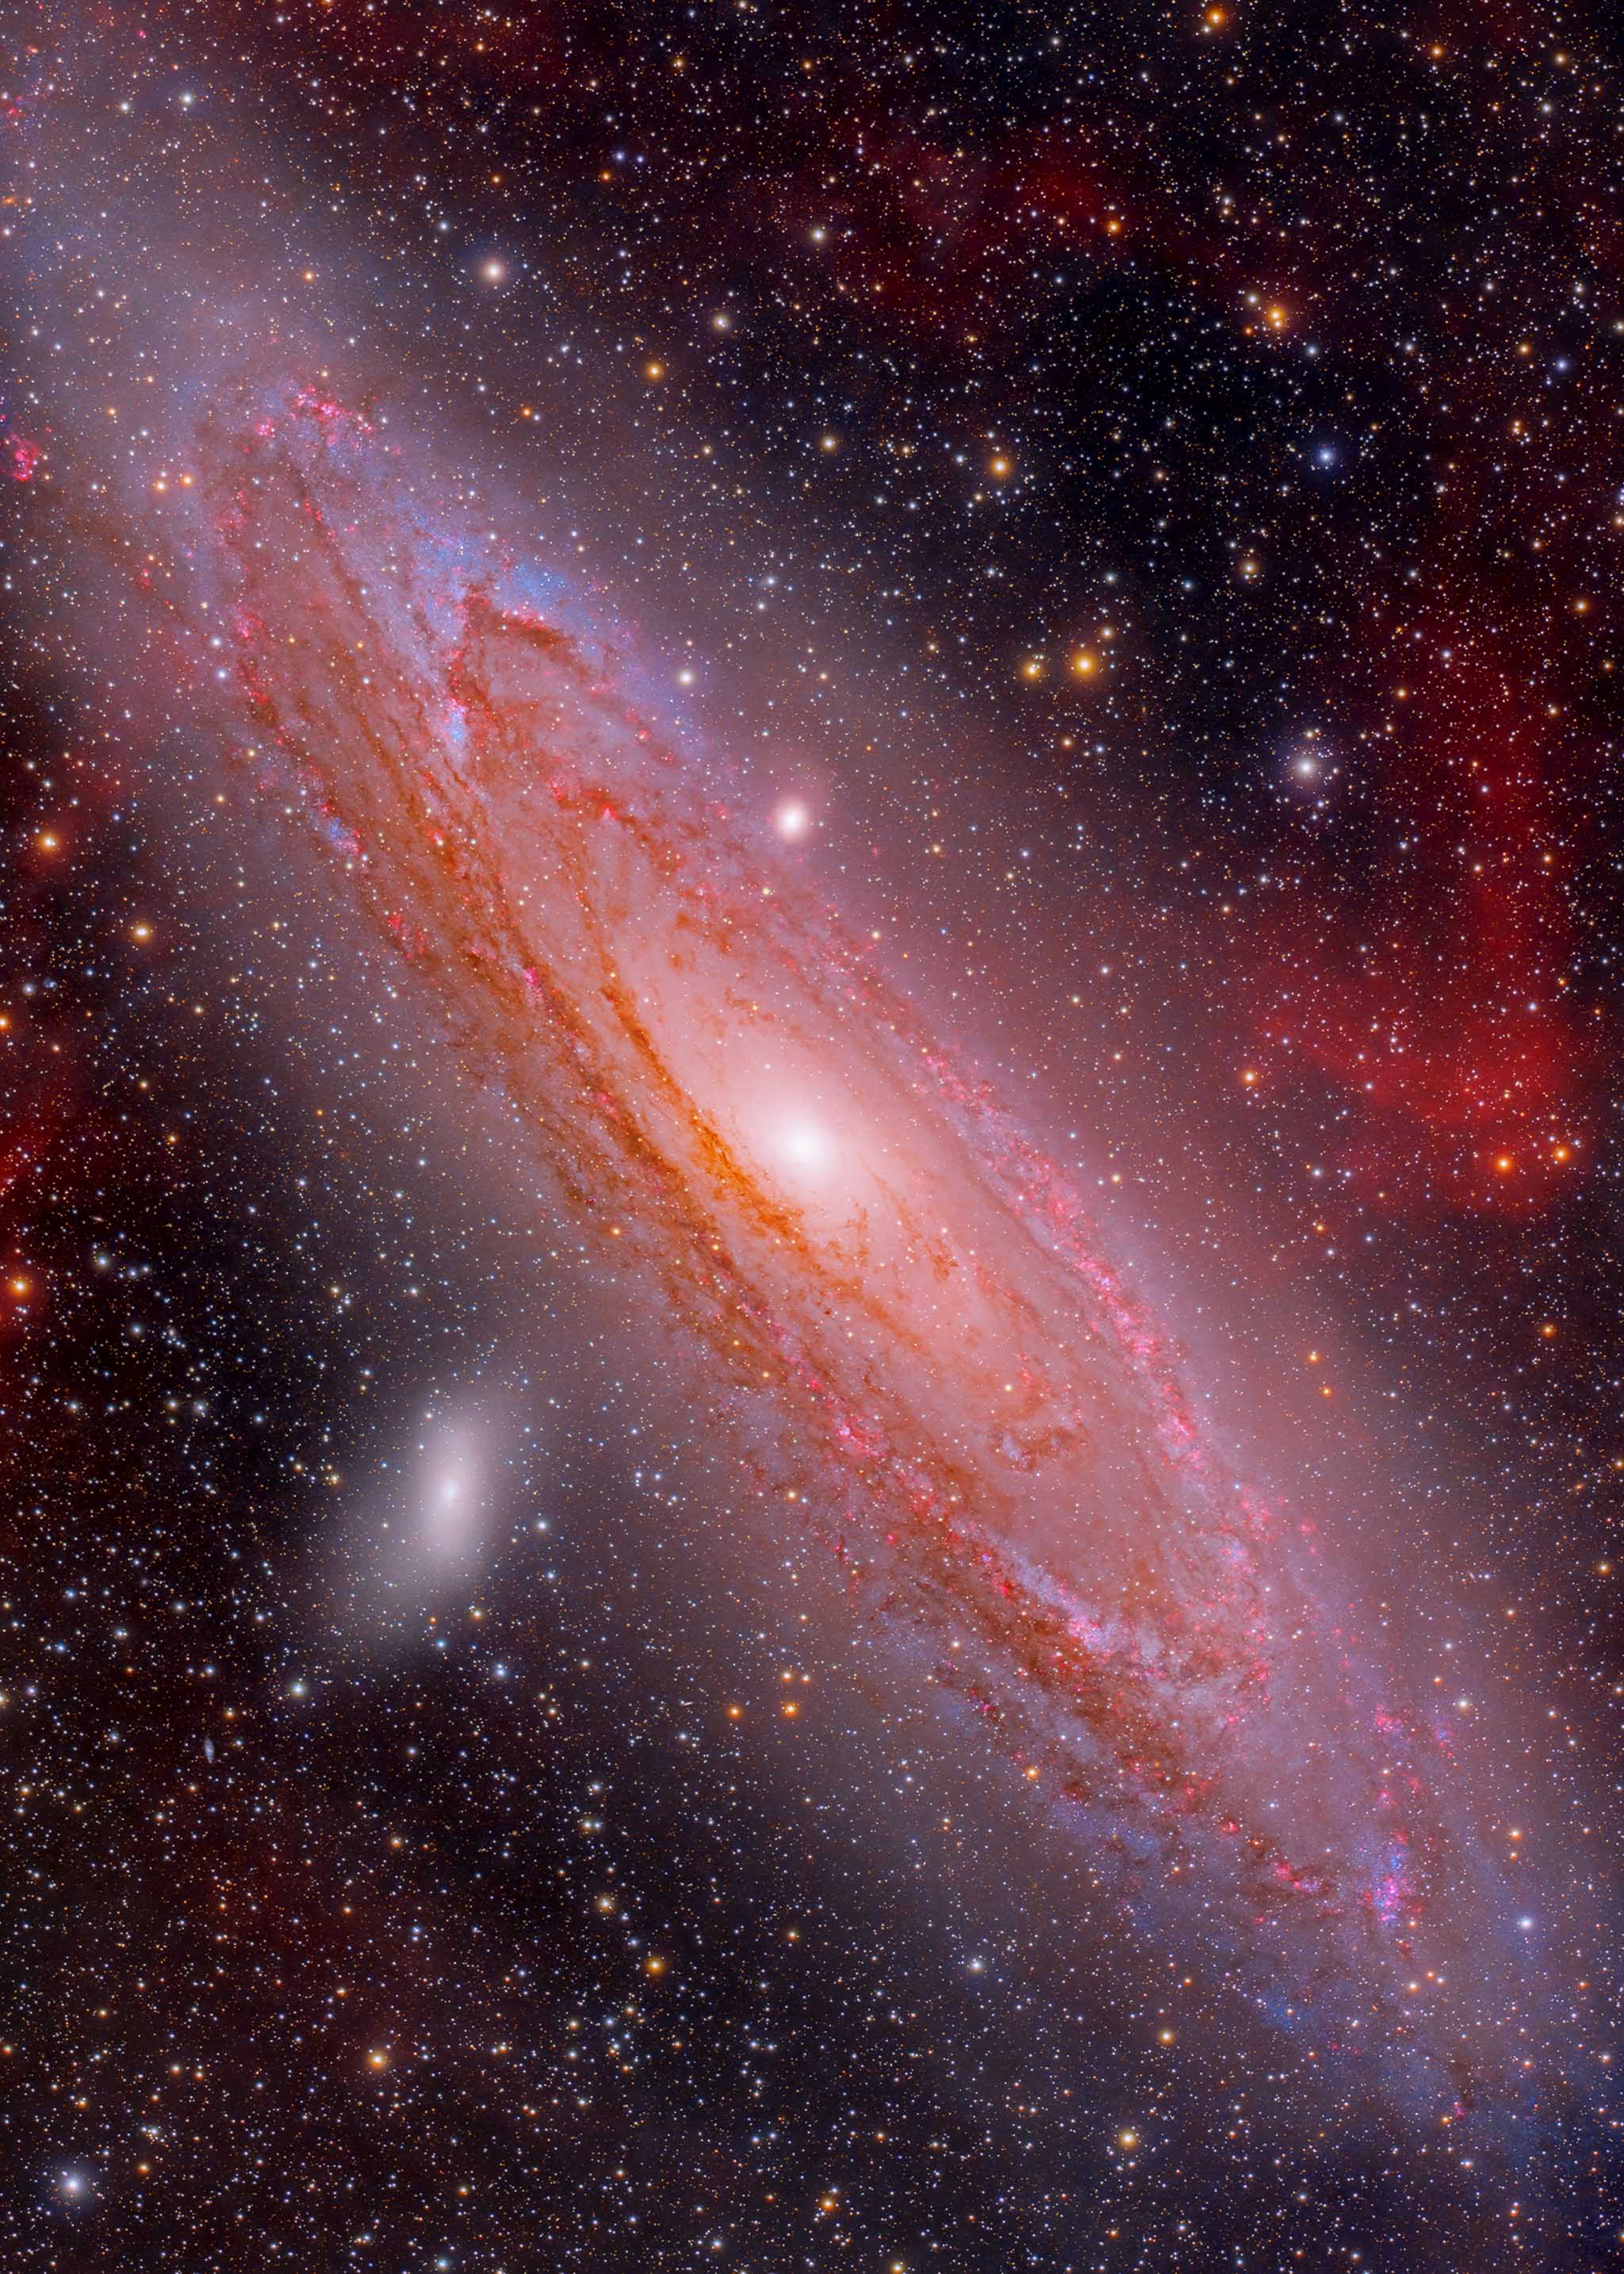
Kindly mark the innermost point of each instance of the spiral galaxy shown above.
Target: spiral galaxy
(317, 625)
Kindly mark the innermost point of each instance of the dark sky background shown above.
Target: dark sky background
(1153, 479)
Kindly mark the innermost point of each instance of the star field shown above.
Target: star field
(810, 1351)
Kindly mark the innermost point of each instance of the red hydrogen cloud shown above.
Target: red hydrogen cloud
(30, 1149)
(1437, 999)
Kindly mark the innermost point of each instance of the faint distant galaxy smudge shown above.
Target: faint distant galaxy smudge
(930, 1363)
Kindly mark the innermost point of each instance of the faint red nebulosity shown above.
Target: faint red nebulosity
(25, 1146)
(1438, 997)
(919, 227)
